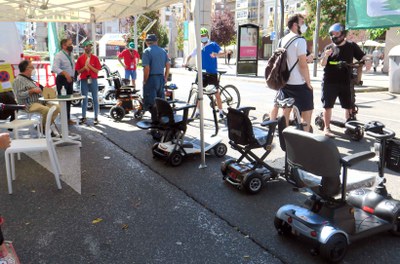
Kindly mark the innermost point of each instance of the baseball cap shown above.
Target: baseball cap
(87, 43)
(151, 37)
(131, 45)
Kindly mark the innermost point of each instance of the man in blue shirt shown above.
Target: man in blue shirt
(209, 54)
(154, 60)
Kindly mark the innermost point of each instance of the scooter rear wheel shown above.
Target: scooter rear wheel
(117, 113)
(283, 228)
(335, 248)
(253, 183)
(220, 150)
(175, 159)
(396, 230)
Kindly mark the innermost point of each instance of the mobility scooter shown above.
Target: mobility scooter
(244, 137)
(173, 148)
(128, 99)
(341, 209)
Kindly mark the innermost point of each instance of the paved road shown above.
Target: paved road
(153, 213)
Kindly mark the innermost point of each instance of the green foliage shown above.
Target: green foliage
(223, 28)
(376, 32)
(179, 38)
(332, 11)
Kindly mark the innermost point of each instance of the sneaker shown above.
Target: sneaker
(71, 122)
(221, 115)
(82, 121)
(328, 133)
(196, 115)
(96, 121)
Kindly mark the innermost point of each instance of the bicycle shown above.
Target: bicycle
(230, 96)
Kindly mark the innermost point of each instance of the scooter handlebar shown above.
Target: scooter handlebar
(384, 134)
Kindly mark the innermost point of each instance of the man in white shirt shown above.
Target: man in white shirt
(299, 84)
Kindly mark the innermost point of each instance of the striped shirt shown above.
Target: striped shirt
(21, 86)
(64, 62)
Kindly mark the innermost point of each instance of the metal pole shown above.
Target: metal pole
(200, 81)
(274, 42)
(316, 37)
(135, 33)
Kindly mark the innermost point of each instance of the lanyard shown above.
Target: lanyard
(69, 58)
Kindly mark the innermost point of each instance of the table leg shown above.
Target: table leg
(65, 137)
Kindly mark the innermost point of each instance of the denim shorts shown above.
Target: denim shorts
(130, 73)
(303, 96)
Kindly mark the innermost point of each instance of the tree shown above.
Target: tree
(179, 38)
(223, 28)
(332, 11)
(159, 30)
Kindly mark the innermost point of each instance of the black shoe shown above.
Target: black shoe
(82, 121)
(221, 116)
(96, 121)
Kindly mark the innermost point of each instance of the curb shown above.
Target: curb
(260, 79)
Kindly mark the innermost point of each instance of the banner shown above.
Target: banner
(364, 14)
(53, 43)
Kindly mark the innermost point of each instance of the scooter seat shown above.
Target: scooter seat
(355, 179)
(260, 135)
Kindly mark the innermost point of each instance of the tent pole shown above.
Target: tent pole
(93, 29)
(200, 80)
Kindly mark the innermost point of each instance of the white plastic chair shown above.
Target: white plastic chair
(33, 145)
(18, 124)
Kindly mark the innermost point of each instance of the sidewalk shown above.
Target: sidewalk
(372, 82)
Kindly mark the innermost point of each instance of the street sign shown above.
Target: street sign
(273, 35)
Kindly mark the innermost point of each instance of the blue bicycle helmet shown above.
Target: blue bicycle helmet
(337, 27)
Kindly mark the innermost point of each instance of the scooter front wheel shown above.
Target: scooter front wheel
(117, 113)
(319, 122)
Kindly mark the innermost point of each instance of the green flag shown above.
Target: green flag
(52, 43)
(372, 14)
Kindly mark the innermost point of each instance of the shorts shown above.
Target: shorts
(209, 79)
(303, 96)
(130, 73)
(333, 90)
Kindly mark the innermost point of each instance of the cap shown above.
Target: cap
(131, 45)
(151, 37)
(87, 43)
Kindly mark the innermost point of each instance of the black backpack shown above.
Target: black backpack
(277, 72)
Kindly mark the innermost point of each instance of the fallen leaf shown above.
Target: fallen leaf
(97, 220)
(125, 226)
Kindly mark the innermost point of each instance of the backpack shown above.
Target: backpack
(277, 72)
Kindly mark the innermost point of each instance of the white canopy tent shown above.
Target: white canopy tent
(92, 11)
(74, 11)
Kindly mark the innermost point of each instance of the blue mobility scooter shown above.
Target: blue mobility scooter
(341, 209)
(244, 138)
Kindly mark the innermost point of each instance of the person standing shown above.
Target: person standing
(376, 56)
(28, 92)
(299, 84)
(229, 56)
(337, 78)
(88, 66)
(156, 67)
(131, 58)
(209, 54)
(64, 67)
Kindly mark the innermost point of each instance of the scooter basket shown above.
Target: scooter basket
(393, 154)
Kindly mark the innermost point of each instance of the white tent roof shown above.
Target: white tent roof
(76, 10)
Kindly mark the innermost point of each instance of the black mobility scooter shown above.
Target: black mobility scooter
(244, 138)
(335, 218)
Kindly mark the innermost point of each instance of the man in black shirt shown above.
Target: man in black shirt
(337, 75)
